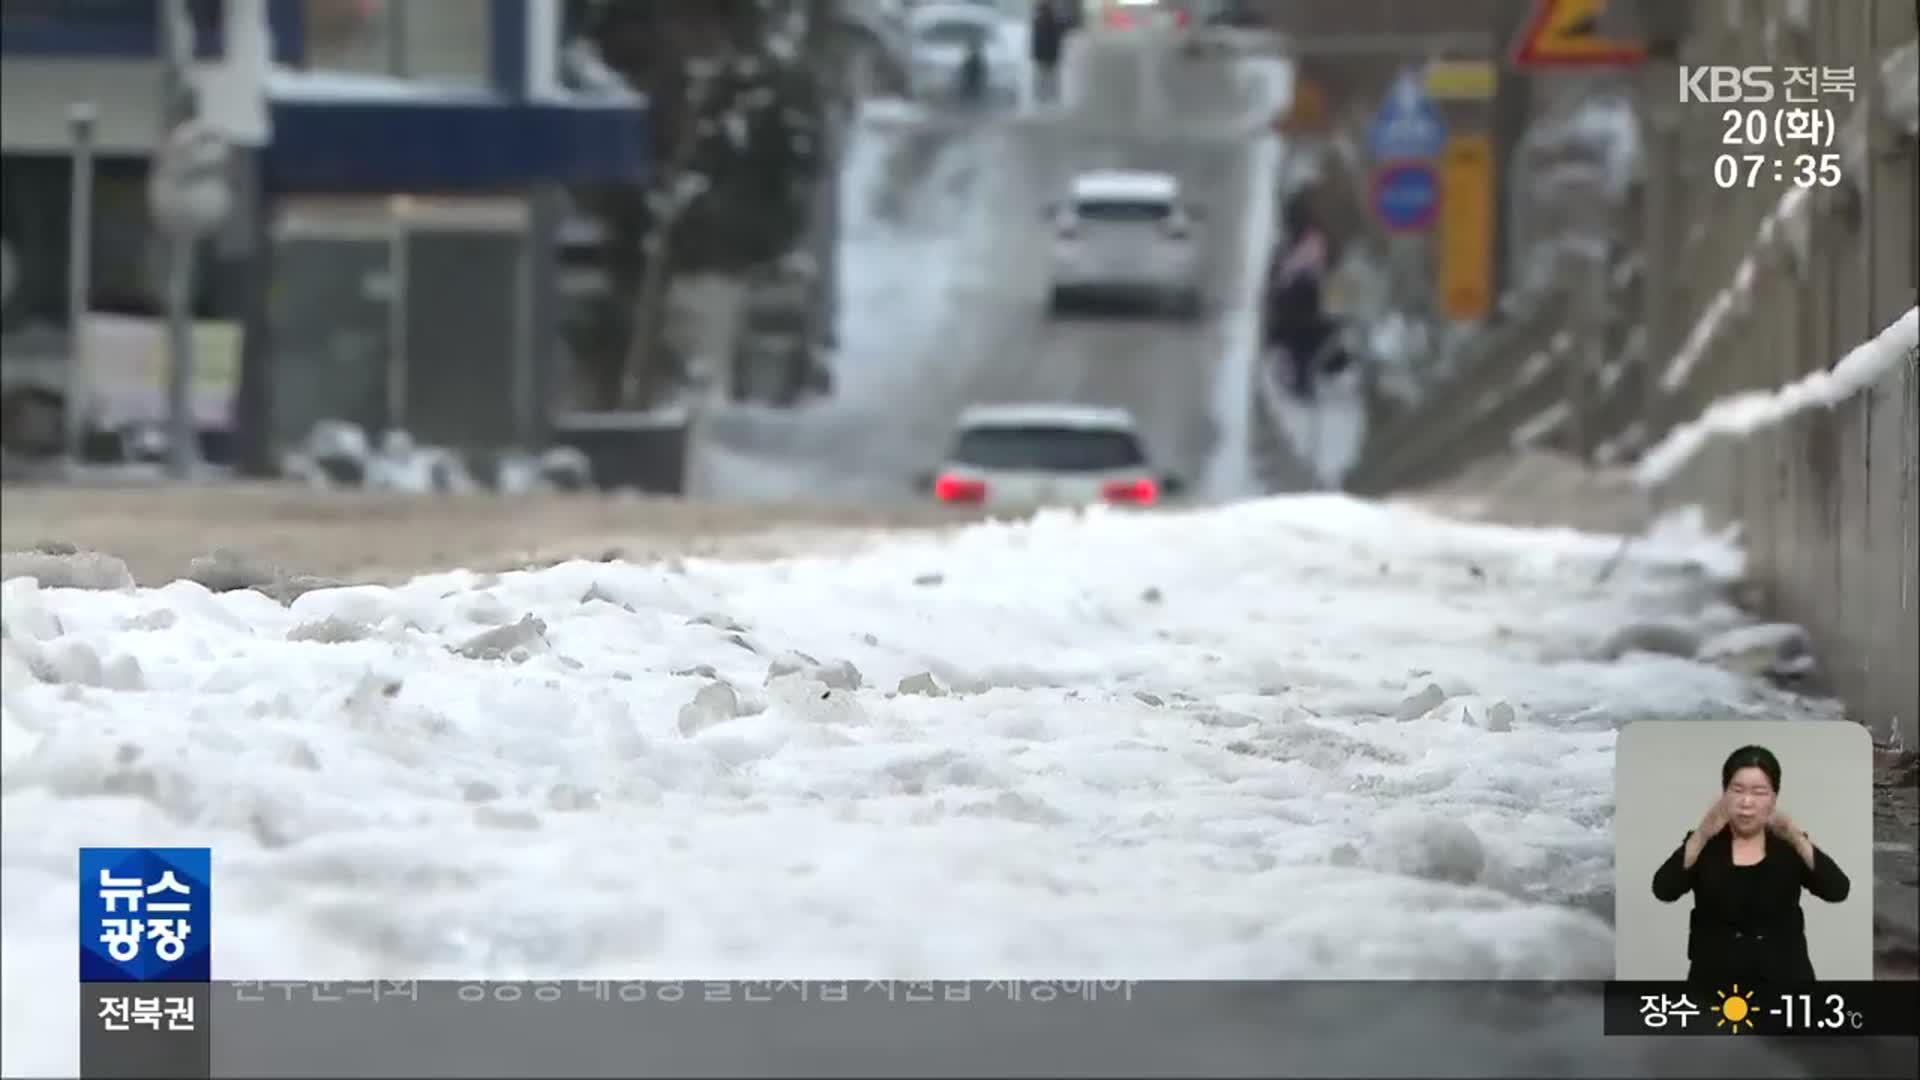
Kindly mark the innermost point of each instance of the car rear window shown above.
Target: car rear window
(1049, 449)
(1125, 210)
(962, 34)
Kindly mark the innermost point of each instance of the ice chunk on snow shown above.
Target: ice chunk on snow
(67, 570)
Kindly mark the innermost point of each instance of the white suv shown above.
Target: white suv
(1029, 456)
(1126, 235)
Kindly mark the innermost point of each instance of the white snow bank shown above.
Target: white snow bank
(1268, 83)
(1900, 88)
(1231, 472)
(916, 232)
(891, 110)
(1603, 129)
(1327, 434)
(1754, 410)
(1214, 751)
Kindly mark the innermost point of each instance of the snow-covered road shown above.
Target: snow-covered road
(945, 284)
(1295, 737)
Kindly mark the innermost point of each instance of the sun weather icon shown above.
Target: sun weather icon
(1735, 1009)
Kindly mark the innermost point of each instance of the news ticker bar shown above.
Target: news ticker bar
(610, 1027)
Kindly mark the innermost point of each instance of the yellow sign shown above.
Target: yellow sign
(1465, 233)
(1461, 80)
(1566, 33)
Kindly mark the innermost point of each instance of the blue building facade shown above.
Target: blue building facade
(395, 261)
(511, 132)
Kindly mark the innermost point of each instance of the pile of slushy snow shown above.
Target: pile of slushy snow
(339, 455)
(1293, 738)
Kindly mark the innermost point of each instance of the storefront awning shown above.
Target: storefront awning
(369, 135)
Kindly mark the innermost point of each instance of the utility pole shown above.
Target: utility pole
(829, 71)
(189, 194)
(1507, 122)
(1664, 28)
(177, 109)
(79, 389)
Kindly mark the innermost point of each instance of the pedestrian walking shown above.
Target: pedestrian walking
(1296, 320)
(1045, 39)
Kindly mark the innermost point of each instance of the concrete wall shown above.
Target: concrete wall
(1828, 500)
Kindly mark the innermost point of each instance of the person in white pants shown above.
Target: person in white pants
(1045, 39)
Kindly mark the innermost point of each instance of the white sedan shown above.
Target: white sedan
(1030, 456)
(1126, 234)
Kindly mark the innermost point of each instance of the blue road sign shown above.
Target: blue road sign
(1407, 125)
(1406, 195)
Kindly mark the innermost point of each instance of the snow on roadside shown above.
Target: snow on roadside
(1266, 83)
(1296, 737)
(1328, 433)
(1755, 410)
(896, 272)
(909, 213)
(1231, 473)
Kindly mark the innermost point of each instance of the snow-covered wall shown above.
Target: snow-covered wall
(1764, 367)
(1820, 475)
(1782, 388)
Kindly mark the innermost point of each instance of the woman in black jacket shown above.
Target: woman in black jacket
(1746, 865)
(1296, 318)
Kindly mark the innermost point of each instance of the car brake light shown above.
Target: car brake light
(955, 489)
(1140, 492)
(1180, 16)
(1119, 20)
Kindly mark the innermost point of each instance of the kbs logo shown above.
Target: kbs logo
(1725, 84)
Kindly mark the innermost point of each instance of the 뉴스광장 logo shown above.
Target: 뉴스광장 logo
(145, 914)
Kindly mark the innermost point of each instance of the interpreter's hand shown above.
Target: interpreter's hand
(1710, 825)
(1713, 821)
(1787, 829)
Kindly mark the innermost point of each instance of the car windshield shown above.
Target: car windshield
(1049, 449)
(961, 34)
(1123, 210)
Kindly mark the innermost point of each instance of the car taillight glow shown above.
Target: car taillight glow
(958, 489)
(1139, 492)
(1119, 20)
(1180, 16)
